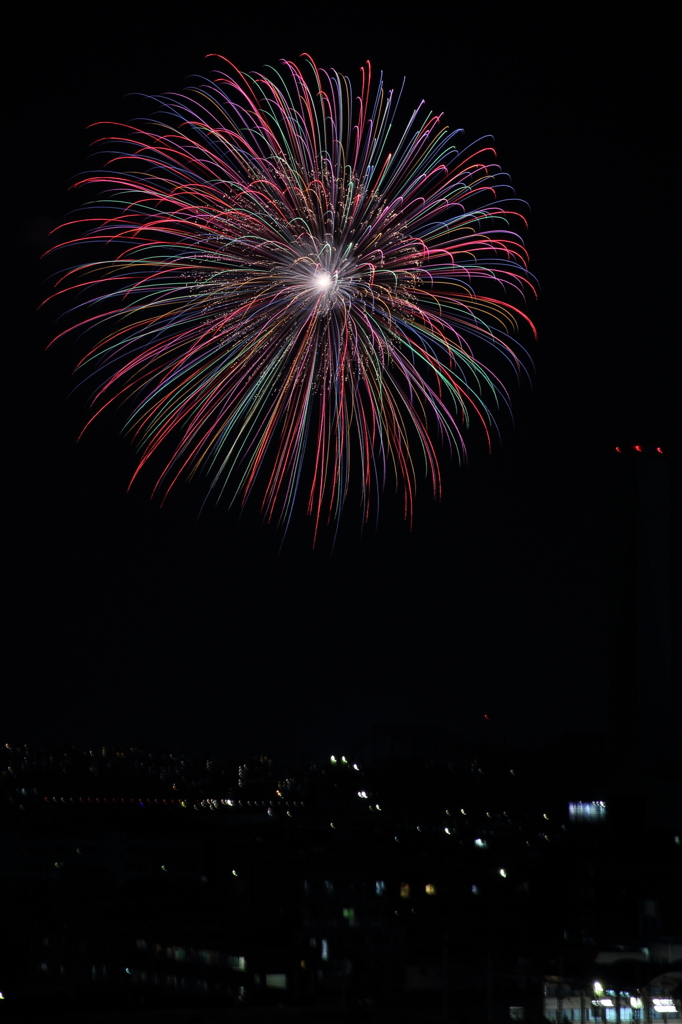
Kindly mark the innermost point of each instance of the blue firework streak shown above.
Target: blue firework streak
(293, 295)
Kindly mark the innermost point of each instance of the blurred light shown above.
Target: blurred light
(592, 811)
(322, 281)
(598, 988)
(503, 872)
(636, 1002)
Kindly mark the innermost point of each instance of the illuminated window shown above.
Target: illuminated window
(349, 915)
(405, 890)
(380, 888)
(665, 1005)
(592, 811)
(430, 889)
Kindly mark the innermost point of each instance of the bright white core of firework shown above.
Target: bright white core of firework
(322, 280)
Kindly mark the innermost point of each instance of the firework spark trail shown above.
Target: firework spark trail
(290, 305)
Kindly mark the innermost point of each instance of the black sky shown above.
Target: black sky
(141, 624)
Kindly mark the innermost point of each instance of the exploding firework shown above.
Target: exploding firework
(294, 296)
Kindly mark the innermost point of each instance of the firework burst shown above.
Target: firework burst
(292, 295)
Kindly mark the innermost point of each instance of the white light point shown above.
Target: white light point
(322, 280)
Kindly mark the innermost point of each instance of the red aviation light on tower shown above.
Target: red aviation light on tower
(640, 449)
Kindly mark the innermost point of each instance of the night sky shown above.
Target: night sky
(136, 623)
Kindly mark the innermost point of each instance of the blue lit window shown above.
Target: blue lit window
(592, 811)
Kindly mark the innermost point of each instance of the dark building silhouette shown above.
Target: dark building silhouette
(644, 700)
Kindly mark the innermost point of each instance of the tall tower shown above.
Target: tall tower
(644, 699)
